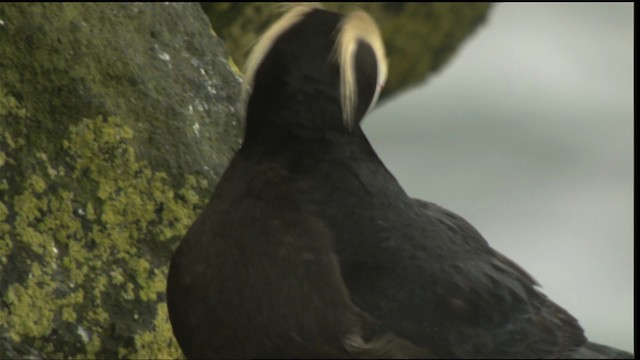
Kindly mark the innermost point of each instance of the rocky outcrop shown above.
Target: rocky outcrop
(115, 122)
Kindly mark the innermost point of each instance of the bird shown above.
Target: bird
(310, 248)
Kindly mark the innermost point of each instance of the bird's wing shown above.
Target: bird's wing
(440, 285)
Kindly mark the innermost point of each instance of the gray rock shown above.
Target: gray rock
(115, 122)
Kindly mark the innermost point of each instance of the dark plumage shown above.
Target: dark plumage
(309, 247)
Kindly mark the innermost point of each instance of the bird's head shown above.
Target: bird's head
(315, 69)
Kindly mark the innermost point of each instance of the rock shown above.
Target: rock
(115, 122)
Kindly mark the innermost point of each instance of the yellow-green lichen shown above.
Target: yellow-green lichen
(148, 343)
(5, 244)
(234, 68)
(88, 242)
(26, 316)
(9, 105)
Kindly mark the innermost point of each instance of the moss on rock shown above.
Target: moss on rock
(94, 242)
(115, 122)
(157, 66)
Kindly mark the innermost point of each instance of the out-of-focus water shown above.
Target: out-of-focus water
(528, 134)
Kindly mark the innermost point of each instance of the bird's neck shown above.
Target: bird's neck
(341, 158)
(300, 140)
(283, 107)
(310, 140)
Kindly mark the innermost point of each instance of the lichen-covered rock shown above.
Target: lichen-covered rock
(420, 37)
(115, 122)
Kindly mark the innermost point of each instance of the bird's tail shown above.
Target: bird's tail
(591, 350)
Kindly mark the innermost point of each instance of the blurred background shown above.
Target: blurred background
(528, 134)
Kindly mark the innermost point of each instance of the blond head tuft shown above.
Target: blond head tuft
(357, 26)
(294, 13)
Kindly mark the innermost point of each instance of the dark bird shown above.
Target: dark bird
(309, 247)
